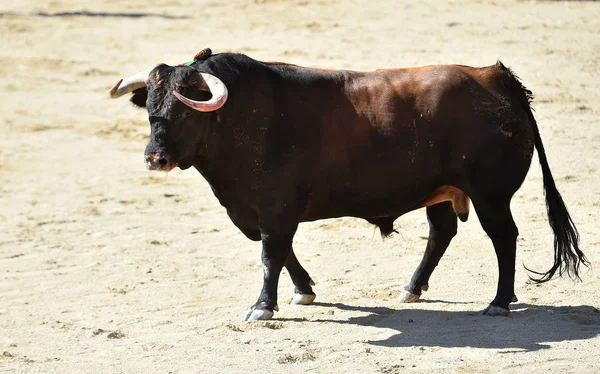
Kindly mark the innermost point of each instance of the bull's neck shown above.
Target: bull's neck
(225, 158)
(210, 155)
(231, 152)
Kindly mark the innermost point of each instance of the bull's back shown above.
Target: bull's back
(409, 131)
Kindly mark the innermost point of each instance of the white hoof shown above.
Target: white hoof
(303, 299)
(258, 315)
(493, 310)
(407, 297)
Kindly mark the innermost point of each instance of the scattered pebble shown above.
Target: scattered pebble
(115, 335)
(98, 331)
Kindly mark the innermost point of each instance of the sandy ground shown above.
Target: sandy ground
(106, 267)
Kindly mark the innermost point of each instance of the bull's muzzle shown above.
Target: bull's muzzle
(159, 161)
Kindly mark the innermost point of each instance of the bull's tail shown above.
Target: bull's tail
(567, 255)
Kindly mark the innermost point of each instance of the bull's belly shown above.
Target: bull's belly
(394, 206)
(364, 203)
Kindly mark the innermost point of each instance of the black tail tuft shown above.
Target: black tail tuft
(567, 255)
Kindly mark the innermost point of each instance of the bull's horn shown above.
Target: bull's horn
(127, 85)
(216, 87)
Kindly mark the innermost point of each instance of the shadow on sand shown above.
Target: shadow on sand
(528, 327)
(85, 13)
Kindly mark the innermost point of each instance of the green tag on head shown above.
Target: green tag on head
(202, 55)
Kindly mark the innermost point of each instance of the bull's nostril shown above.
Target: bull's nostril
(157, 161)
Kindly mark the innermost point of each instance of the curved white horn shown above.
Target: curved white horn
(219, 95)
(127, 85)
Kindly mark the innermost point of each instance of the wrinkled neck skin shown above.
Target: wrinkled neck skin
(230, 148)
(208, 145)
(232, 166)
(211, 157)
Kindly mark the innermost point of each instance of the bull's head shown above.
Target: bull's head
(169, 93)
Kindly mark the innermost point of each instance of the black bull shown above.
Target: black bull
(282, 144)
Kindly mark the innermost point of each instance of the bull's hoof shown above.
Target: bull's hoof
(254, 314)
(493, 310)
(514, 299)
(408, 297)
(303, 299)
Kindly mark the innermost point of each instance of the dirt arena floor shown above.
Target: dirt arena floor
(106, 267)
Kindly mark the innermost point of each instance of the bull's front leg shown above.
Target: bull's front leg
(276, 247)
(303, 293)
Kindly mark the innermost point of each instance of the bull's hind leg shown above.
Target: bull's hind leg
(303, 293)
(497, 221)
(442, 228)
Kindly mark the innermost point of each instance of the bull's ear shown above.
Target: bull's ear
(139, 97)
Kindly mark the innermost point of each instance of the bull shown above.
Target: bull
(282, 144)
